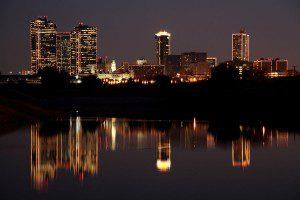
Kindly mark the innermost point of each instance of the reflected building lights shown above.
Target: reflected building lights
(75, 151)
(241, 153)
(163, 162)
(211, 142)
(113, 134)
(282, 139)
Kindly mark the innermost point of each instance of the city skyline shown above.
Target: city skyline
(160, 99)
(210, 34)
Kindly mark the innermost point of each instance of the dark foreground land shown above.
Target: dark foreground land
(270, 101)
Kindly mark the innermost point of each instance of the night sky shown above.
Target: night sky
(126, 28)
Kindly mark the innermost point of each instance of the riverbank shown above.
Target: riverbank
(270, 100)
(18, 109)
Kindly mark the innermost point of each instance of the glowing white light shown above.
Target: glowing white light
(163, 33)
(163, 166)
(113, 66)
(113, 134)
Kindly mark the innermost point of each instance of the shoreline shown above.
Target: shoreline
(272, 101)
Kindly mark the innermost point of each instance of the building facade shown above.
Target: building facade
(272, 65)
(241, 46)
(141, 61)
(272, 68)
(212, 61)
(143, 72)
(265, 65)
(191, 58)
(63, 51)
(172, 65)
(162, 46)
(281, 65)
(84, 50)
(43, 44)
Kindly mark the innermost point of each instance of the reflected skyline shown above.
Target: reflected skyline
(75, 145)
(75, 151)
(241, 153)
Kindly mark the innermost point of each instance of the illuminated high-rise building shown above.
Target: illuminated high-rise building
(43, 44)
(241, 46)
(63, 51)
(84, 50)
(163, 46)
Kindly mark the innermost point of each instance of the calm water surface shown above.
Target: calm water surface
(135, 159)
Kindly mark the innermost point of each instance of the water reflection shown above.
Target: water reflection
(74, 145)
(75, 151)
(241, 153)
(163, 158)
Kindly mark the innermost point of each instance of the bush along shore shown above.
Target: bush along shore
(274, 99)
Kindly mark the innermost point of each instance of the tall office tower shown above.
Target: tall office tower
(63, 51)
(241, 46)
(163, 46)
(84, 50)
(101, 64)
(191, 58)
(43, 44)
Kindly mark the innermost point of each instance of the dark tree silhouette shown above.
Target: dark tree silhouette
(130, 81)
(225, 72)
(91, 82)
(51, 77)
(163, 81)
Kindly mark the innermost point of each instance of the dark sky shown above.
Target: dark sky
(127, 27)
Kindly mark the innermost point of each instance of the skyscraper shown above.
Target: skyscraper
(63, 51)
(43, 44)
(163, 46)
(84, 50)
(241, 46)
